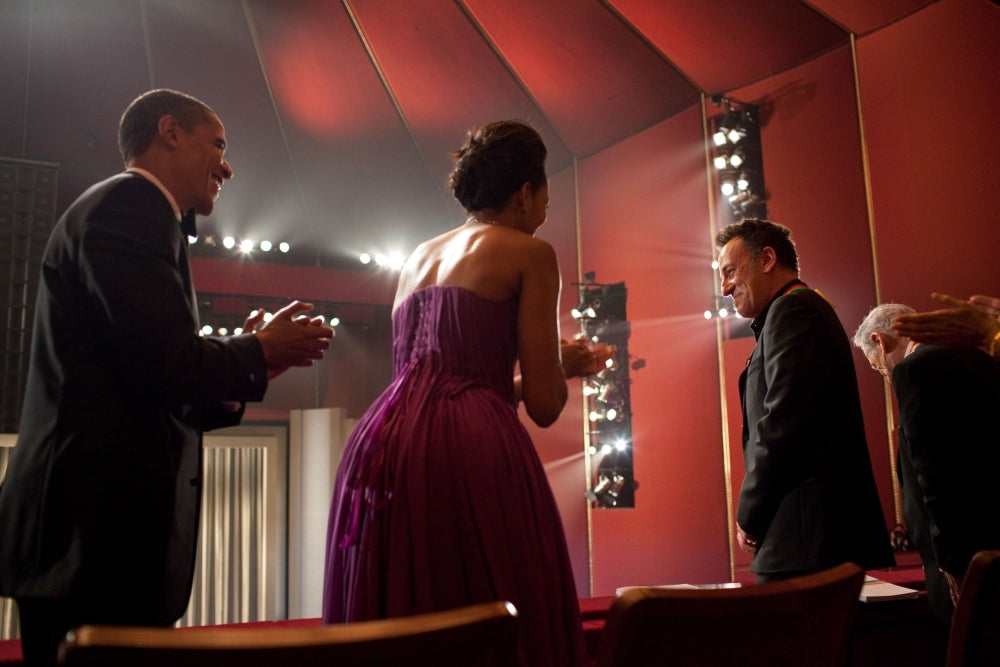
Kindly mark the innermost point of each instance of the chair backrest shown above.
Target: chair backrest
(802, 621)
(974, 639)
(482, 634)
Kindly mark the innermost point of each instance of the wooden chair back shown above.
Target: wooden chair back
(481, 634)
(802, 621)
(974, 639)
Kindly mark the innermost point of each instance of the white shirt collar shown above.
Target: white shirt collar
(155, 181)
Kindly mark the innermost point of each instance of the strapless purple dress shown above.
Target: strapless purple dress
(440, 499)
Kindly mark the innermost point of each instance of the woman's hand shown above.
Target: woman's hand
(581, 360)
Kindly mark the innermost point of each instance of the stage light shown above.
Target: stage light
(365, 258)
(728, 160)
(395, 260)
(284, 247)
(265, 246)
(607, 490)
(719, 307)
(246, 245)
(586, 309)
(229, 242)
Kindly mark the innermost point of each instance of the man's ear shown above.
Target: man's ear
(884, 341)
(167, 130)
(768, 258)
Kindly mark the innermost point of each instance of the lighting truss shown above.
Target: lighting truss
(602, 317)
(738, 160)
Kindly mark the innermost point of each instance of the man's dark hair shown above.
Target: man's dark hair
(758, 234)
(139, 123)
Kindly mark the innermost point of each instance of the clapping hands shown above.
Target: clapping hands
(288, 340)
(969, 323)
(581, 360)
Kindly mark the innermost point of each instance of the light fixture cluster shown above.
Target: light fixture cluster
(738, 161)
(602, 317)
(245, 246)
(392, 261)
(721, 307)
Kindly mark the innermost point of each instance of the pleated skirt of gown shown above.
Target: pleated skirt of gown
(441, 500)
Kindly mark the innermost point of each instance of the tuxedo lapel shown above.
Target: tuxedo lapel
(187, 225)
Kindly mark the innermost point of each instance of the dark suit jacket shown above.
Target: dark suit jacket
(949, 458)
(809, 495)
(101, 499)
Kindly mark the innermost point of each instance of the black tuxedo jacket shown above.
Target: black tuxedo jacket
(102, 494)
(949, 458)
(809, 495)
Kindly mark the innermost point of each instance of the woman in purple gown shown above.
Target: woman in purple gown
(440, 499)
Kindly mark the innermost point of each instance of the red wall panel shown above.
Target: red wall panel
(930, 98)
(645, 221)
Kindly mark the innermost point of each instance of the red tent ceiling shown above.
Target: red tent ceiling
(341, 114)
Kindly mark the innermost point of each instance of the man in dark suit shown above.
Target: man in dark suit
(949, 447)
(99, 509)
(808, 499)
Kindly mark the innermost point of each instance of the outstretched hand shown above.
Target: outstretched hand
(288, 340)
(964, 323)
(581, 360)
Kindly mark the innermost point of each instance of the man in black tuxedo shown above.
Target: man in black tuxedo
(99, 509)
(808, 500)
(949, 447)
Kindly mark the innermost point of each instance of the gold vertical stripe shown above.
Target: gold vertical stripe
(720, 352)
(890, 424)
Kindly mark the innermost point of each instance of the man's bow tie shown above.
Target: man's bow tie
(187, 224)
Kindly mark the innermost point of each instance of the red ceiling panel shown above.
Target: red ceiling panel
(321, 74)
(864, 16)
(341, 113)
(725, 44)
(596, 78)
(444, 75)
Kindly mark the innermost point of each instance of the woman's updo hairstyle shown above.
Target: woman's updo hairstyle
(496, 160)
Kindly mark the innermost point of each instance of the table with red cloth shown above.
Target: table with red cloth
(885, 632)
